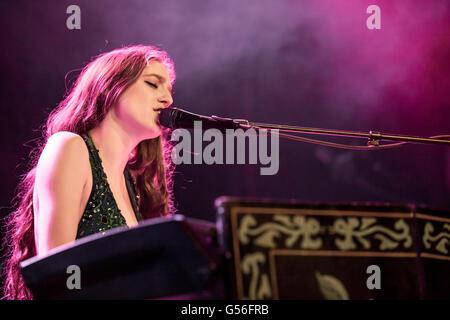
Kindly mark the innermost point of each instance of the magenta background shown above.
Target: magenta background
(306, 63)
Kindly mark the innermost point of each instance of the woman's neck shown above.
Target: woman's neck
(114, 145)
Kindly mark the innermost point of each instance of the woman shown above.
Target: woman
(104, 161)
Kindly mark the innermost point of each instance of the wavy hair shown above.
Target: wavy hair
(85, 105)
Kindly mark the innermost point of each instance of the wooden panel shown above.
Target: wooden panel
(294, 250)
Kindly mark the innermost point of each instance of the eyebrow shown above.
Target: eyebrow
(160, 78)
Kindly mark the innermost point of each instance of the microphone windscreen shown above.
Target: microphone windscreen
(166, 117)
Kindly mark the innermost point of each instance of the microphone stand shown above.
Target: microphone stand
(177, 118)
(373, 137)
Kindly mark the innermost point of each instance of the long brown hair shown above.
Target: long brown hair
(97, 89)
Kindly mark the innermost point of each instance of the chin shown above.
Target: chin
(153, 133)
(148, 130)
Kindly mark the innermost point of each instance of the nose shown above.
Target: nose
(166, 98)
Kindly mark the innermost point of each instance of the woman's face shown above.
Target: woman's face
(138, 107)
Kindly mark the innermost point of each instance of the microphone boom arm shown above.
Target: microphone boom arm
(178, 118)
(373, 137)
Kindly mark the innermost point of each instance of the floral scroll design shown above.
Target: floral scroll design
(294, 227)
(360, 229)
(259, 282)
(441, 239)
(264, 236)
(306, 233)
(331, 287)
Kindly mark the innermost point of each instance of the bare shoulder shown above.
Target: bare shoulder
(61, 175)
(64, 150)
(66, 139)
(67, 143)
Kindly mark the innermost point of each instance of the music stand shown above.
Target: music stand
(159, 258)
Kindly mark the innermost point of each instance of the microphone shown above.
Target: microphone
(175, 118)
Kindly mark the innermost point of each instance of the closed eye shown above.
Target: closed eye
(151, 84)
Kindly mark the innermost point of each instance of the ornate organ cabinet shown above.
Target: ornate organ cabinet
(293, 250)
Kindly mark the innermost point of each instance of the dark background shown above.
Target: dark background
(305, 63)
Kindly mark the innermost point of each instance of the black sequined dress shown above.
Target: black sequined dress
(101, 212)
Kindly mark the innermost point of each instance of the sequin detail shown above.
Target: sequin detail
(101, 212)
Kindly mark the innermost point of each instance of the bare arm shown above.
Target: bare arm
(61, 174)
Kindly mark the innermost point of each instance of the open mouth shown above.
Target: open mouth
(158, 111)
